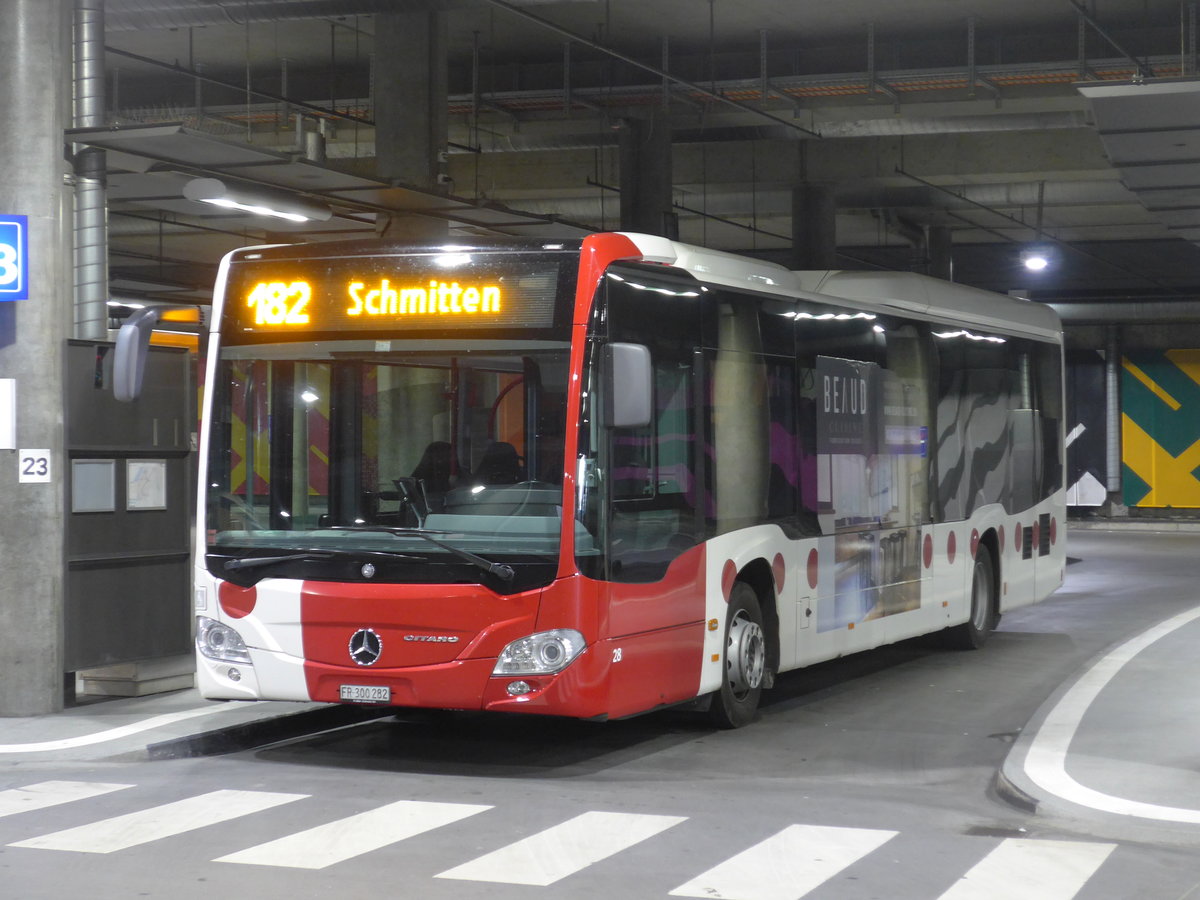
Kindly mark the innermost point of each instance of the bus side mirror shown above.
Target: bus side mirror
(129, 358)
(628, 386)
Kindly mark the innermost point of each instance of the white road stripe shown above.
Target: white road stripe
(1031, 870)
(1046, 759)
(112, 734)
(51, 793)
(346, 838)
(787, 865)
(158, 822)
(563, 850)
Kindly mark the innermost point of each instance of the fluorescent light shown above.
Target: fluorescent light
(254, 208)
(256, 200)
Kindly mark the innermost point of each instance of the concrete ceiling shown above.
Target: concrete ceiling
(927, 113)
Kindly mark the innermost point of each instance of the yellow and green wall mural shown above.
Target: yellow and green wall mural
(1160, 428)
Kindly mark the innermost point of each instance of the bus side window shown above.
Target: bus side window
(907, 421)
(1048, 365)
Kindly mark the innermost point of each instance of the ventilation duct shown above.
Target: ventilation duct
(143, 15)
(528, 140)
(91, 192)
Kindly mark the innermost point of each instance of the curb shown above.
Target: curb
(234, 738)
(1014, 796)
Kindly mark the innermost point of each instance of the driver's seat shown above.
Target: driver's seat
(501, 464)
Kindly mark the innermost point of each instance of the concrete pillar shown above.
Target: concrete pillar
(410, 103)
(941, 252)
(814, 227)
(35, 69)
(645, 157)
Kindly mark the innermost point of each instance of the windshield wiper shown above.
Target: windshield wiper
(255, 562)
(502, 571)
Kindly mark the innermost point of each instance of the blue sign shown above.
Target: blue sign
(14, 258)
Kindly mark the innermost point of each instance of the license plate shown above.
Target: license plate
(365, 693)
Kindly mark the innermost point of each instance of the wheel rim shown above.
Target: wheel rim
(745, 654)
(981, 597)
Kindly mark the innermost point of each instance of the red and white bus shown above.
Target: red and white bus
(597, 478)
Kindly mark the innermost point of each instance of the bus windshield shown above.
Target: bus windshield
(357, 445)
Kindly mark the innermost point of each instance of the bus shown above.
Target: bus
(602, 477)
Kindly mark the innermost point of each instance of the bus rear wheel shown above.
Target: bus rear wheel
(736, 702)
(972, 634)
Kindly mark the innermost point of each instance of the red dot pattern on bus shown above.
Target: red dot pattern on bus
(974, 542)
(951, 547)
(779, 570)
(1036, 533)
(1053, 531)
(813, 569)
(927, 551)
(728, 576)
(237, 602)
(1002, 539)
(1017, 538)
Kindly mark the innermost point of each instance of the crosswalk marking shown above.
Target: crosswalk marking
(1031, 870)
(786, 865)
(158, 822)
(557, 852)
(346, 838)
(51, 793)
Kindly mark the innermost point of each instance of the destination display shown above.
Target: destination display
(387, 294)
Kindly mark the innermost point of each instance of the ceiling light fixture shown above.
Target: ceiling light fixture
(1036, 259)
(256, 200)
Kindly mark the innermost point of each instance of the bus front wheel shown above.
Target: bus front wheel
(972, 633)
(745, 660)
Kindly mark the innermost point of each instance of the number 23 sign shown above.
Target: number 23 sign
(14, 257)
(34, 466)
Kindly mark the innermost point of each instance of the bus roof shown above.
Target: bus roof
(904, 293)
(921, 295)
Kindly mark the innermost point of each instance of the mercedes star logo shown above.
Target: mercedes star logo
(365, 647)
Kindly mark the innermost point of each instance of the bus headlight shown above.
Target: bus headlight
(218, 641)
(540, 654)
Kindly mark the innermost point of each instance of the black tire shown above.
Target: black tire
(735, 704)
(972, 634)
